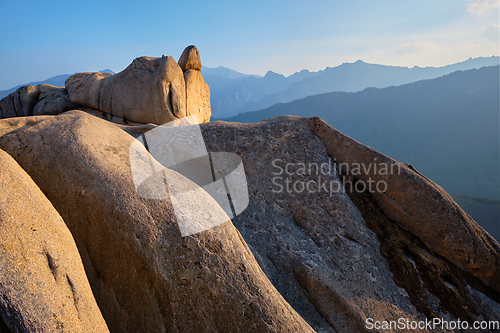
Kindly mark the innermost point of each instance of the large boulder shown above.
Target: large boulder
(197, 95)
(313, 250)
(190, 59)
(42, 99)
(341, 258)
(144, 275)
(43, 285)
(197, 90)
(52, 100)
(417, 204)
(149, 90)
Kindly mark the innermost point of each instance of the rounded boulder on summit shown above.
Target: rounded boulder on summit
(150, 90)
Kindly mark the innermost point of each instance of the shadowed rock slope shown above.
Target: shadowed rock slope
(300, 258)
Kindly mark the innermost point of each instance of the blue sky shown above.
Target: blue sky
(41, 39)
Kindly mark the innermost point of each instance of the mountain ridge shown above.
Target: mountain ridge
(352, 77)
(460, 106)
(234, 92)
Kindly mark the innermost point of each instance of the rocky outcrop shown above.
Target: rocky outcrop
(149, 90)
(190, 59)
(337, 256)
(43, 286)
(144, 275)
(197, 90)
(42, 99)
(326, 243)
(418, 205)
(198, 95)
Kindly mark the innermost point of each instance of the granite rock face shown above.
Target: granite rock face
(144, 275)
(198, 95)
(197, 90)
(338, 255)
(190, 59)
(419, 206)
(149, 90)
(326, 244)
(42, 99)
(43, 286)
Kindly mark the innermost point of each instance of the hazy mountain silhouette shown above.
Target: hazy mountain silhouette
(225, 73)
(486, 212)
(233, 95)
(232, 92)
(448, 127)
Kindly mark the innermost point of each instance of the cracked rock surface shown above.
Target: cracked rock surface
(43, 285)
(145, 277)
(308, 254)
(340, 258)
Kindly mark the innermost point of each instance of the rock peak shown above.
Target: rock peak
(190, 59)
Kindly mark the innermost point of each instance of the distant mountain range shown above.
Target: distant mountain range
(225, 73)
(235, 94)
(486, 212)
(448, 127)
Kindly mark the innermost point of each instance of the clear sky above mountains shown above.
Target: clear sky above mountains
(41, 39)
